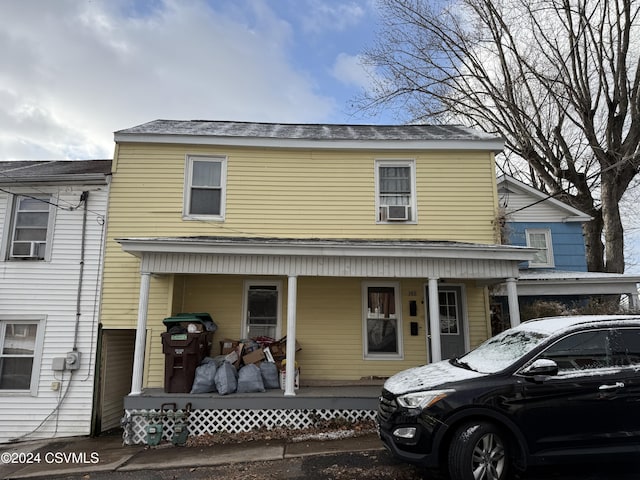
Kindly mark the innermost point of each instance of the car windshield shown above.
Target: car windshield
(501, 351)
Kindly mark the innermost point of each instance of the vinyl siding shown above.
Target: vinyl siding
(287, 193)
(49, 289)
(541, 212)
(529, 208)
(478, 314)
(117, 353)
(290, 193)
(569, 251)
(303, 193)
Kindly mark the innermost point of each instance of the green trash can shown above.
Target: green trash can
(186, 342)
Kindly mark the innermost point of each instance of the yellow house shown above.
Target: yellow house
(371, 246)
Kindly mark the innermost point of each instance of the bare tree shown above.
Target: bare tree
(559, 79)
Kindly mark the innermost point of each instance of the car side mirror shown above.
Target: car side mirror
(543, 367)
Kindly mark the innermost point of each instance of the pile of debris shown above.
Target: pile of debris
(244, 366)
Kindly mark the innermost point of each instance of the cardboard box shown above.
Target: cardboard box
(227, 346)
(253, 357)
(279, 348)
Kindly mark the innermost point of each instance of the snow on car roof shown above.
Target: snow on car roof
(551, 325)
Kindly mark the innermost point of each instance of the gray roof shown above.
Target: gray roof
(182, 131)
(571, 276)
(54, 171)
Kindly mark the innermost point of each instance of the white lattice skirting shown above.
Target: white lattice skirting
(200, 422)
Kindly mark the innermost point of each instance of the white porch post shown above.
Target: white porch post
(514, 308)
(290, 371)
(633, 300)
(434, 320)
(141, 335)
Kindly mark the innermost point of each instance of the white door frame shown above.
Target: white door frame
(245, 301)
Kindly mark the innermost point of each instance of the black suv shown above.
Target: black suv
(546, 390)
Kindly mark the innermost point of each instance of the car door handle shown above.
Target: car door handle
(611, 387)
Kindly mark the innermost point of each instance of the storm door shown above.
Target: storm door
(452, 329)
(262, 310)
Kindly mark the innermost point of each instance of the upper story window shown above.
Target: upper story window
(30, 227)
(20, 350)
(395, 191)
(204, 195)
(540, 238)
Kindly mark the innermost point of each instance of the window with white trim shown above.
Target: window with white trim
(20, 351)
(30, 227)
(204, 193)
(395, 191)
(382, 329)
(540, 238)
(263, 307)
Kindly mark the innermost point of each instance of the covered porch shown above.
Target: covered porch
(301, 263)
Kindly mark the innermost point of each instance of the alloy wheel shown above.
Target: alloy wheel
(488, 460)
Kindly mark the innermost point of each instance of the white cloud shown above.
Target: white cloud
(77, 71)
(350, 70)
(321, 15)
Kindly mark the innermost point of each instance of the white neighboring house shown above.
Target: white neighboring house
(52, 222)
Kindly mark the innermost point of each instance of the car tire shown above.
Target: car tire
(478, 451)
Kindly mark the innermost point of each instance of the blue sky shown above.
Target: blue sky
(76, 71)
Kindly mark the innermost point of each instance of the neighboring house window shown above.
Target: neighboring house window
(205, 179)
(540, 239)
(30, 227)
(382, 322)
(20, 349)
(395, 191)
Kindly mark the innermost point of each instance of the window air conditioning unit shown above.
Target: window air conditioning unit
(396, 213)
(32, 250)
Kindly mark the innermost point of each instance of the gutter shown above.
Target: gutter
(74, 178)
(326, 248)
(494, 145)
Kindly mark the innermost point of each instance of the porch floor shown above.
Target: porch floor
(343, 397)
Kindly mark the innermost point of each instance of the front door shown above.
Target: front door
(452, 331)
(262, 310)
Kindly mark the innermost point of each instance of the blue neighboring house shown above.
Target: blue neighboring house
(559, 270)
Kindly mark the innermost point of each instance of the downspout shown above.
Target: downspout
(83, 198)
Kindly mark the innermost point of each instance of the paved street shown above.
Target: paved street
(377, 465)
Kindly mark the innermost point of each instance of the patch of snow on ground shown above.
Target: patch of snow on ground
(335, 435)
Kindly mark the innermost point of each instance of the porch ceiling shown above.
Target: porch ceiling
(326, 257)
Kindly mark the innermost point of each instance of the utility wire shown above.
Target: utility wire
(566, 190)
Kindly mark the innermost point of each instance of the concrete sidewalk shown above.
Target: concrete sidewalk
(83, 455)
